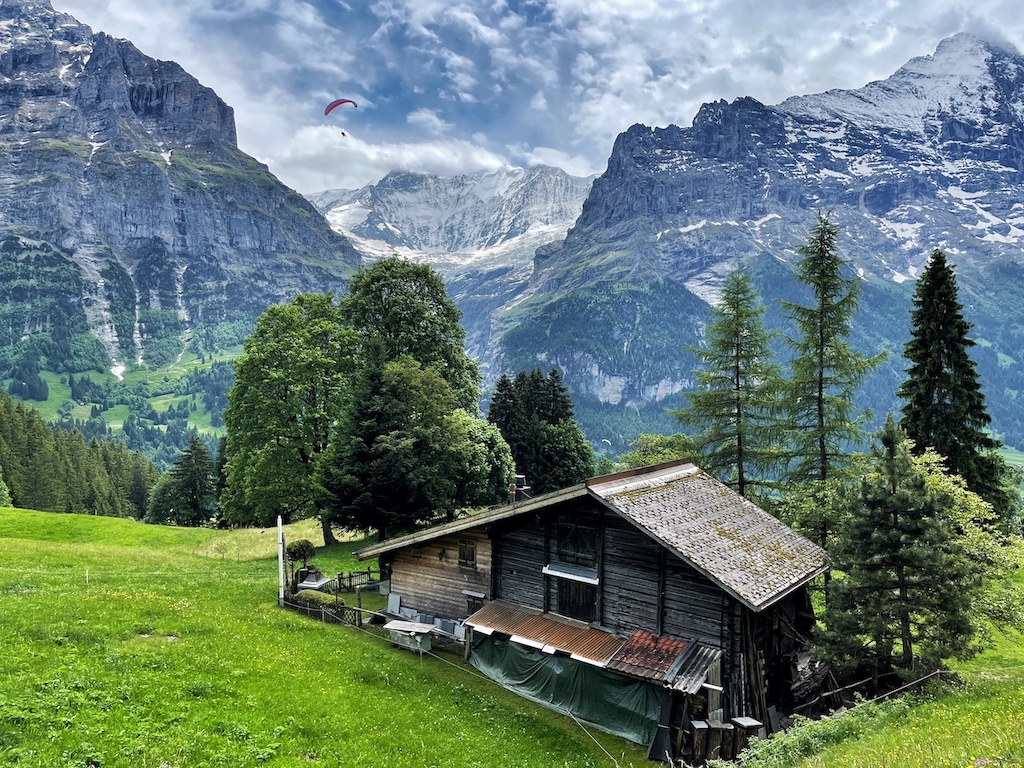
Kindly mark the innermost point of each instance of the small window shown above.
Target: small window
(577, 543)
(416, 551)
(473, 604)
(467, 553)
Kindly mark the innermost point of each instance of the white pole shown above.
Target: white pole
(280, 559)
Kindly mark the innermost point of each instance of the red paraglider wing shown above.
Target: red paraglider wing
(338, 103)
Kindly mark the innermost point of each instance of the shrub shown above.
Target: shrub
(313, 598)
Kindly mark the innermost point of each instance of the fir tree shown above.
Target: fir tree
(914, 565)
(739, 385)
(944, 404)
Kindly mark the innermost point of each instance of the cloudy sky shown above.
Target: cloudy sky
(455, 86)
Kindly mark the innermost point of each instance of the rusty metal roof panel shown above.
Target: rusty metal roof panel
(547, 631)
(648, 656)
(750, 553)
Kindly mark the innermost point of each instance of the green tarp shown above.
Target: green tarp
(613, 703)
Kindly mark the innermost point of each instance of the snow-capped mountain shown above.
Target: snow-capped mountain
(931, 157)
(130, 219)
(496, 218)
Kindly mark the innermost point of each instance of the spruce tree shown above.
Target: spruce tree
(534, 415)
(910, 576)
(739, 384)
(944, 405)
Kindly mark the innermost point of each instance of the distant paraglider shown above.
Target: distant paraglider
(337, 103)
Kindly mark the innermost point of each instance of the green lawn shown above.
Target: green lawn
(131, 645)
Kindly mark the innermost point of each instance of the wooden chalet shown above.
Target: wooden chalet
(657, 604)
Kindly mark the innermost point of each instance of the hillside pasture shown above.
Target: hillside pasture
(131, 645)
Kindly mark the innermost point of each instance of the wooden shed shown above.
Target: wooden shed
(659, 587)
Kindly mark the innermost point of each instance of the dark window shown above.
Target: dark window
(577, 543)
(416, 551)
(467, 552)
(577, 600)
(474, 604)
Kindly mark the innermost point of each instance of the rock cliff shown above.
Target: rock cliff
(129, 169)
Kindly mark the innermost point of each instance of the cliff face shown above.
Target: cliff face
(129, 168)
(932, 157)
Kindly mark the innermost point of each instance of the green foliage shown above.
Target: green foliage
(398, 308)
(300, 551)
(316, 599)
(5, 494)
(807, 737)
(195, 485)
(291, 386)
(534, 415)
(825, 371)
(655, 449)
(944, 405)
(403, 454)
(57, 470)
(916, 556)
(739, 384)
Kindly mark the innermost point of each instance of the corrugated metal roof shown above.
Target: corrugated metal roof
(547, 631)
(649, 656)
(694, 669)
(750, 553)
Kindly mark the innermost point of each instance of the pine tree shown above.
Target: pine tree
(910, 564)
(739, 385)
(944, 404)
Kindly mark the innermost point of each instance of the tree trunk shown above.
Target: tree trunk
(328, 532)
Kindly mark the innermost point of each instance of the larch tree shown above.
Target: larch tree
(824, 373)
(735, 405)
(944, 404)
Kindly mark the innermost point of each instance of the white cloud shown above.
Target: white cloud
(556, 79)
(321, 158)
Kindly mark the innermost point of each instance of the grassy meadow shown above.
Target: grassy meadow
(126, 644)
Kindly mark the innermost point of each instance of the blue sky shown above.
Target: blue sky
(455, 86)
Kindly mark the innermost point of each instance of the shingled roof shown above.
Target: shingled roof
(732, 541)
(746, 551)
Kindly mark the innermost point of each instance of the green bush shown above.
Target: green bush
(314, 598)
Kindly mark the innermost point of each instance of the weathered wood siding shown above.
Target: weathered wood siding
(434, 585)
(694, 606)
(629, 577)
(520, 558)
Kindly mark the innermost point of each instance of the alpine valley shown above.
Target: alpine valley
(134, 230)
(930, 158)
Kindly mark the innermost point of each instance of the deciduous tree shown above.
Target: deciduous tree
(291, 385)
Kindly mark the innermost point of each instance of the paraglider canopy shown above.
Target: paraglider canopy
(337, 103)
